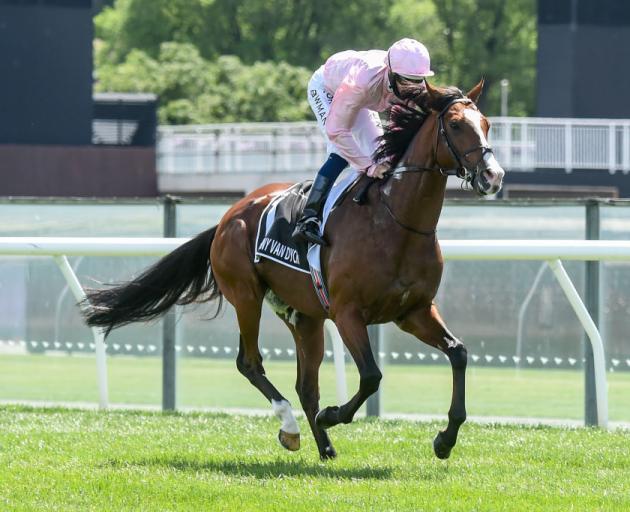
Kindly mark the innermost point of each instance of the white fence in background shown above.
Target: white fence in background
(521, 144)
(551, 251)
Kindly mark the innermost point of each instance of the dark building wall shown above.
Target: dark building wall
(82, 171)
(603, 90)
(555, 72)
(46, 72)
(583, 58)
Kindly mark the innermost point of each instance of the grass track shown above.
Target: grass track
(216, 383)
(54, 459)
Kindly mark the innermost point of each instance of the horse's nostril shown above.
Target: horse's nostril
(492, 177)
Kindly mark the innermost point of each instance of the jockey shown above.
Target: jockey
(346, 94)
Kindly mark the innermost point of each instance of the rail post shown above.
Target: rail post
(373, 404)
(169, 357)
(592, 305)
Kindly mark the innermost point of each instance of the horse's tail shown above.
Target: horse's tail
(181, 277)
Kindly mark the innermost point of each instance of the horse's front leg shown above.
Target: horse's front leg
(354, 334)
(427, 325)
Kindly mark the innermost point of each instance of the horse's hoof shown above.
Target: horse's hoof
(328, 453)
(441, 449)
(289, 441)
(327, 417)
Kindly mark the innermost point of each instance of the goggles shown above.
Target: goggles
(412, 79)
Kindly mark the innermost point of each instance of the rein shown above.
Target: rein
(461, 171)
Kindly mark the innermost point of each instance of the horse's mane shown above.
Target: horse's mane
(405, 120)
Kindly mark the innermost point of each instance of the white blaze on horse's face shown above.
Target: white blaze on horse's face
(491, 174)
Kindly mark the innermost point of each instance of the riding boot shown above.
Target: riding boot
(308, 226)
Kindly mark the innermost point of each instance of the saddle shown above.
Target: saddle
(274, 236)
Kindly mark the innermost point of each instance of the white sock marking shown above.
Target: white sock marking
(282, 409)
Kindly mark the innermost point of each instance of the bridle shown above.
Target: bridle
(468, 173)
(465, 172)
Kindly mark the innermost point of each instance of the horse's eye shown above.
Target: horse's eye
(454, 125)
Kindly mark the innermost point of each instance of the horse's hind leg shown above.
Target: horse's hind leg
(308, 334)
(249, 363)
(427, 325)
(242, 287)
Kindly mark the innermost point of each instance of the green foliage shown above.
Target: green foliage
(300, 32)
(275, 42)
(495, 39)
(194, 91)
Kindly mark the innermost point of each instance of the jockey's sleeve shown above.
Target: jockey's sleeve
(348, 100)
(369, 128)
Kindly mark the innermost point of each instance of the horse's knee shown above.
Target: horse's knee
(369, 383)
(458, 356)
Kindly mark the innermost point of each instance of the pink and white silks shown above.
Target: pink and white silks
(349, 90)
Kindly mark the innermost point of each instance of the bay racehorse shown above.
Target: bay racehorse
(382, 264)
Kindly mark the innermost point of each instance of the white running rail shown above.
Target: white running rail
(520, 143)
(551, 251)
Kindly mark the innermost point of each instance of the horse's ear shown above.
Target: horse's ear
(475, 92)
(431, 91)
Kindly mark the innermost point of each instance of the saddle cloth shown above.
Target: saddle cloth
(276, 225)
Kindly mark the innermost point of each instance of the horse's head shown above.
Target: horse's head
(462, 143)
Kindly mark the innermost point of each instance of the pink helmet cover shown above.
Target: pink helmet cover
(409, 57)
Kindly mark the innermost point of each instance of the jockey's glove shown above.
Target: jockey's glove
(377, 170)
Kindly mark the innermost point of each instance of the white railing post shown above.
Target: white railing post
(237, 154)
(99, 338)
(526, 163)
(169, 154)
(568, 147)
(625, 148)
(286, 149)
(509, 144)
(198, 145)
(593, 335)
(339, 360)
(612, 148)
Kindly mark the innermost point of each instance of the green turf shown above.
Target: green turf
(79, 460)
(216, 383)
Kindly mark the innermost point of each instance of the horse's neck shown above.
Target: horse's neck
(416, 198)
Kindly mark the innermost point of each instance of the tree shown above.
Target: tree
(193, 90)
(300, 32)
(495, 39)
(467, 39)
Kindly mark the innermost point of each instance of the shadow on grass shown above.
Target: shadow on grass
(257, 469)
